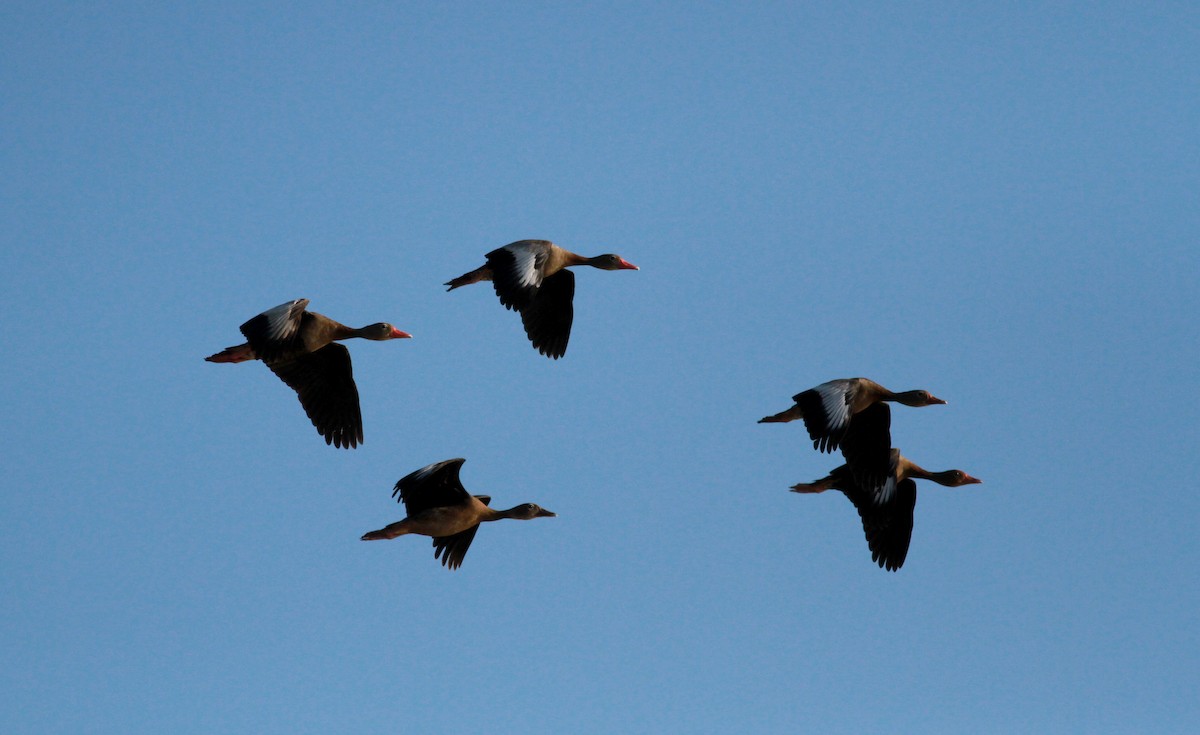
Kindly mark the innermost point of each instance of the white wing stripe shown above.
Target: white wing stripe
(833, 400)
(281, 324)
(884, 493)
(525, 267)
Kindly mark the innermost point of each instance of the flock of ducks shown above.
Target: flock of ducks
(531, 277)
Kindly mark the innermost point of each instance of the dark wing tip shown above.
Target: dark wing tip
(547, 318)
(324, 384)
(453, 549)
(432, 486)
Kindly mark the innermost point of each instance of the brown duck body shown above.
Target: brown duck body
(531, 278)
(445, 520)
(301, 348)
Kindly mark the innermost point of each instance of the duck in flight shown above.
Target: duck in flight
(886, 523)
(829, 409)
(439, 506)
(301, 348)
(531, 278)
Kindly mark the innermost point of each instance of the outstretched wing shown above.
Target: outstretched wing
(274, 334)
(517, 271)
(826, 411)
(548, 315)
(867, 447)
(887, 526)
(324, 382)
(433, 486)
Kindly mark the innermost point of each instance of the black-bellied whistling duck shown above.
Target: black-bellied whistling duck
(531, 277)
(299, 347)
(887, 524)
(439, 506)
(829, 409)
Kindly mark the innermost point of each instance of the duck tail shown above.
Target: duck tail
(237, 353)
(819, 486)
(482, 273)
(392, 530)
(783, 417)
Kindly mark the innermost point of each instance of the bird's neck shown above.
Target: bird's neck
(340, 331)
(489, 514)
(567, 258)
(947, 478)
(907, 469)
(498, 514)
(908, 398)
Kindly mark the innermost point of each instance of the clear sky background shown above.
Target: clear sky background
(997, 203)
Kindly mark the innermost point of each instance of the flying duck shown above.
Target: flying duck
(830, 408)
(887, 524)
(531, 277)
(439, 506)
(299, 346)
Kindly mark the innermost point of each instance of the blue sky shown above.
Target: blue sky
(997, 204)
